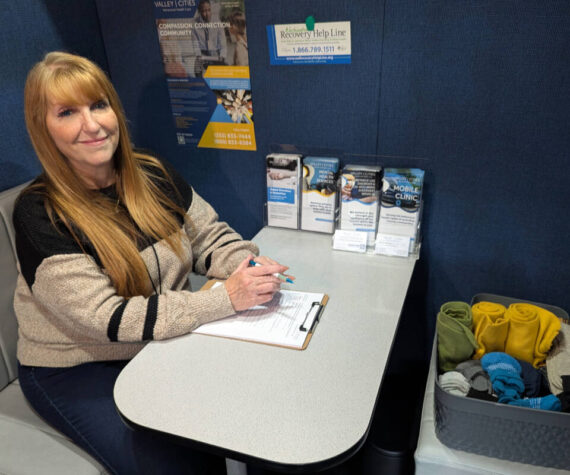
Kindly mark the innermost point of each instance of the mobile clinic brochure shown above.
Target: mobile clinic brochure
(205, 54)
(309, 43)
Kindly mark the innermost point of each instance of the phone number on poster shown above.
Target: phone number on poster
(313, 49)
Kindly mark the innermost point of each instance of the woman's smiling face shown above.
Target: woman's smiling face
(87, 133)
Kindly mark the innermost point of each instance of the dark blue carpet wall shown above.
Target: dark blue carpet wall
(28, 30)
(308, 106)
(478, 91)
(483, 89)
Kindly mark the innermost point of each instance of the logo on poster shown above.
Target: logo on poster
(173, 3)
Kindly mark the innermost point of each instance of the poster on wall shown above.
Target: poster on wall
(309, 43)
(204, 49)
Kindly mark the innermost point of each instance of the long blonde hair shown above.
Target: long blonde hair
(69, 79)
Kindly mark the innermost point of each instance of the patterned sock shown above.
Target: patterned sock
(505, 372)
(478, 378)
(546, 403)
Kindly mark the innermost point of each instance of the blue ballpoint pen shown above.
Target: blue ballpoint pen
(279, 276)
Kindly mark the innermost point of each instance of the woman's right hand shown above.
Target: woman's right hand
(249, 286)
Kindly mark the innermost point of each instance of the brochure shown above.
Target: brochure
(360, 193)
(283, 187)
(320, 194)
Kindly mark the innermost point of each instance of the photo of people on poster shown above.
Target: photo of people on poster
(214, 35)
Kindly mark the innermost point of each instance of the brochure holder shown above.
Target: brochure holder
(375, 202)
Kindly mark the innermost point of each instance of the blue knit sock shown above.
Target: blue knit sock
(546, 403)
(505, 374)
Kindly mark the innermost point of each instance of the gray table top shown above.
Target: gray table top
(281, 405)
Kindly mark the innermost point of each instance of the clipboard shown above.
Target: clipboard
(288, 323)
(310, 323)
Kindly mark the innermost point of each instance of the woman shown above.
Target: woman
(237, 42)
(106, 238)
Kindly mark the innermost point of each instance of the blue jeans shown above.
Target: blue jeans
(78, 401)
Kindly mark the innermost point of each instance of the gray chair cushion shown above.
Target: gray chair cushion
(27, 444)
(8, 323)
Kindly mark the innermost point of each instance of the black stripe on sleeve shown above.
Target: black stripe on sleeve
(150, 318)
(115, 322)
(208, 261)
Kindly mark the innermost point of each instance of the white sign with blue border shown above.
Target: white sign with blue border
(325, 43)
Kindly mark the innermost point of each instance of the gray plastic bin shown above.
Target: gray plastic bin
(498, 430)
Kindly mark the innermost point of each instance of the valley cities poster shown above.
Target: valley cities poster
(204, 50)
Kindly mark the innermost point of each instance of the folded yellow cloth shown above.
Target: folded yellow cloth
(487, 309)
(490, 327)
(532, 330)
(524, 331)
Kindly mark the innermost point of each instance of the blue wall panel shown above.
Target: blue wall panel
(327, 106)
(28, 30)
(230, 181)
(478, 90)
(482, 89)
(314, 107)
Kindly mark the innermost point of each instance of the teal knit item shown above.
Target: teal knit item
(546, 403)
(455, 340)
(505, 374)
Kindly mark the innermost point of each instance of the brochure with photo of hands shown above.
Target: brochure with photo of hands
(283, 188)
(288, 320)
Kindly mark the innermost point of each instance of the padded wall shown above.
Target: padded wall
(333, 107)
(483, 89)
(479, 89)
(28, 30)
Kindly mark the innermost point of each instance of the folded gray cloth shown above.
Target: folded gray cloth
(558, 359)
(477, 377)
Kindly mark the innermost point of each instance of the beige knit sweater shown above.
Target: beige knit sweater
(69, 312)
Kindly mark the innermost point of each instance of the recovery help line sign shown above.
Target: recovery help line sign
(325, 43)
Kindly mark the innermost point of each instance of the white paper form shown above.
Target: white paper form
(277, 322)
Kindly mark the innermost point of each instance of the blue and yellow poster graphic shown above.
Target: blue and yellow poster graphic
(205, 54)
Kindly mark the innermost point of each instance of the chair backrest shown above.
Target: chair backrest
(8, 276)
